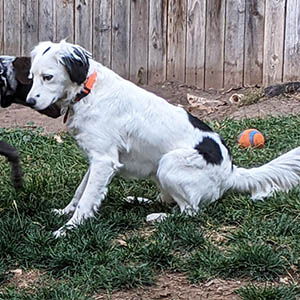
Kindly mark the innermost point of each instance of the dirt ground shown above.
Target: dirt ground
(209, 105)
(176, 287)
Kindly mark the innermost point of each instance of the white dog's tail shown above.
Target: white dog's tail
(280, 174)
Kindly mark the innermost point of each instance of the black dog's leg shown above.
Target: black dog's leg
(13, 157)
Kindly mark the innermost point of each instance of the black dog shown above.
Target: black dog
(13, 157)
(14, 87)
(15, 84)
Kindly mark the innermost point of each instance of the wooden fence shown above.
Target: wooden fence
(206, 43)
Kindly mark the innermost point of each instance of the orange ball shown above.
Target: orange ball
(251, 138)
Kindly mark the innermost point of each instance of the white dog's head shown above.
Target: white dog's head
(57, 69)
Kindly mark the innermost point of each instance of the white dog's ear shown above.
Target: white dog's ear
(76, 61)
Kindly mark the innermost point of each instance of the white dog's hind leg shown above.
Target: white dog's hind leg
(186, 176)
(79, 191)
(100, 175)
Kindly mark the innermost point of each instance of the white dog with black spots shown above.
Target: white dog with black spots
(126, 130)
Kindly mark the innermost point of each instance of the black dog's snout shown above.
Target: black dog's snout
(31, 102)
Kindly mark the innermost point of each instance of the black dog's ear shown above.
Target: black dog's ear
(22, 66)
(76, 61)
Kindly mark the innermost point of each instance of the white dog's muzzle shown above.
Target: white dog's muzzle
(31, 102)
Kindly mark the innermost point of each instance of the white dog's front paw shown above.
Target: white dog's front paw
(61, 232)
(62, 212)
(59, 212)
(190, 211)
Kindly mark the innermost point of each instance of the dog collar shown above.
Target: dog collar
(88, 85)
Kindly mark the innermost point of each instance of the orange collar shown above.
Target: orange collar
(88, 85)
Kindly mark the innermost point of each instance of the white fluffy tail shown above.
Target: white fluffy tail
(280, 174)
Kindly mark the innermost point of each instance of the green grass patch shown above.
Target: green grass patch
(255, 261)
(232, 238)
(269, 292)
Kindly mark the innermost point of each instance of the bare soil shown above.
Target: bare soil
(212, 105)
(175, 286)
(207, 105)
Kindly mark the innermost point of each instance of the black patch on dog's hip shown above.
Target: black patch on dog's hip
(210, 151)
(198, 124)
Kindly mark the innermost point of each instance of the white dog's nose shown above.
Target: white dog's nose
(31, 102)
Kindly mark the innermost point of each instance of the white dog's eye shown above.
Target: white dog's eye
(47, 77)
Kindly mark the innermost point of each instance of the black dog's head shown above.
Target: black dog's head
(8, 81)
(15, 84)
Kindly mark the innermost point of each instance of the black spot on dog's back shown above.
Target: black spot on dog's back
(198, 123)
(210, 151)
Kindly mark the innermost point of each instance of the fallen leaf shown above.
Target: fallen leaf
(17, 272)
(58, 138)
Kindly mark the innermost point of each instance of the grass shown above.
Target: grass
(260, 241)
(269, 292)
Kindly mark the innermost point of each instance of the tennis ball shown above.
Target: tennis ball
(251, 138)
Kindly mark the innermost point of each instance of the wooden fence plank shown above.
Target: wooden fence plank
(254, 42)
(102, 31)
(214, 48)
(176, 40)
(207, 43)
(273, 43)
(292, 42)
(234, 43)
(84, 24)
(195, 42)
(47, 20)
(120, 37)
(138, 44)
(157, 41)
(29, 31)
(1, 27)
(64, 20)
(12, 27)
